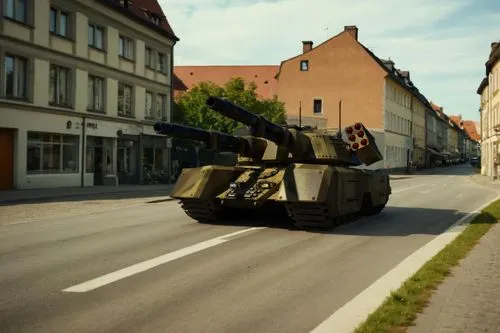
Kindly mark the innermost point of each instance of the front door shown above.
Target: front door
(7, 159)
(98, 166)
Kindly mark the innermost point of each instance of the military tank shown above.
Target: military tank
(312, 174)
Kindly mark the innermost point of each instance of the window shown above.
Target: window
(149, 104)
(15, 76)
(16, 10)
(126, 47)
(317, 106)
(59, 85)
(59, 21)
(156, 105)
(161, 106)
(51, 153)
(124, 100)
(161, 65)
(95, 93)
(149, 58)
(304, 65)
(96, 35)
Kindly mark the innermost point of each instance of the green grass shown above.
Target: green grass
(401, 308)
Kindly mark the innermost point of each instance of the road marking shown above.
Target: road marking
(356, 311)
(151, 263)
(425, 191)
(459, 196)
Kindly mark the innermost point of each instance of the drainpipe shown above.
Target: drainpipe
(84, 142)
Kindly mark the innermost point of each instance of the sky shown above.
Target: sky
(444, 44)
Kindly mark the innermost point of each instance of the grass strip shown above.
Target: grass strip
(401, 308)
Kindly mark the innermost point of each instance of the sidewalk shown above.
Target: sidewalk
(469, 299)
(23, 196)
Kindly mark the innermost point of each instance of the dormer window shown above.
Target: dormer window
(304, 65)
(155, 19)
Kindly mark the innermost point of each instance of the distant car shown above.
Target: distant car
(475, 162)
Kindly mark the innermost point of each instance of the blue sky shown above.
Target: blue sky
(444, 44)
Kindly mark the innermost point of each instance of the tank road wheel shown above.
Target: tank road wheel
(206, 211)
(313, 216)
(203, 211)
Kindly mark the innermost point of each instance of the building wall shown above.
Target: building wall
(490, 117)
(398, 117)
(418, 131)
(452, 140)
(59, 98)
(339, 69)
(431, 127)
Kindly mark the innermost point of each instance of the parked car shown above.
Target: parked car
(475, 162)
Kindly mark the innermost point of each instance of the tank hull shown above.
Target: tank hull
(313, 195)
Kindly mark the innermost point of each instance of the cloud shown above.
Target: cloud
(432, 39)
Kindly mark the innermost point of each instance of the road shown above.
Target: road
(191, 278)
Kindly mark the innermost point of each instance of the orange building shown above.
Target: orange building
(372, 90)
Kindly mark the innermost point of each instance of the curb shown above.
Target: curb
(60, 196)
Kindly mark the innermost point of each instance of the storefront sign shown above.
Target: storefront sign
(92, 125)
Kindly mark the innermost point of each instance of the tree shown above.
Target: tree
(192, 111)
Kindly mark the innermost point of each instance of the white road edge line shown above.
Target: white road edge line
(151, 263)
(357, 310)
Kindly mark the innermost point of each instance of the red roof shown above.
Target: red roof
(469, 126)
(263, 76)
(142, 10)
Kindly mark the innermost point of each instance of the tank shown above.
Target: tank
(314, 176)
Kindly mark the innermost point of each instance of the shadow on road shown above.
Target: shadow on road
(392, 221)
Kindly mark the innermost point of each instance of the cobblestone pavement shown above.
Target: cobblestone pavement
(41, 211)
(469, 300)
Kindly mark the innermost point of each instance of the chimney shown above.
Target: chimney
(389, 64)
(353, 30)
(405, 74)
(307, 46)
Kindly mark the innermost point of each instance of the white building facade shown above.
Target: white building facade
(83, 82)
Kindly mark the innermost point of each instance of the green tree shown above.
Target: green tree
(195, 113)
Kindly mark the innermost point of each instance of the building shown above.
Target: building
(82, 83)
(370, 90)
(433, 147)
(441, 131)
(263, 77)
(468, 136)
(490, 117)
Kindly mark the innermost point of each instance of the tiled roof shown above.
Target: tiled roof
(263, 76)
(471, 129)
(142, 11)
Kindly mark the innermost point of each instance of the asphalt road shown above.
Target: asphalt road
(272, 279)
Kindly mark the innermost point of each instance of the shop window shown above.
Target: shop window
(49, 153)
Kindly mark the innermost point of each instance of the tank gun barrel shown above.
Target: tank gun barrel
(260, 126)
(214, 140)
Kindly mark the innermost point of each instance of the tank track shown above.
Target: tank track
(201, 210)
(316, 216)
